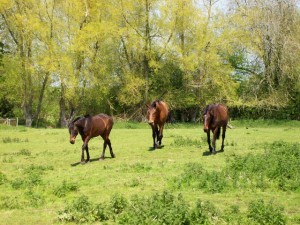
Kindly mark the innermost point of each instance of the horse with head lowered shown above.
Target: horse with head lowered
(215, 117)
(157, 115)
(89, 127)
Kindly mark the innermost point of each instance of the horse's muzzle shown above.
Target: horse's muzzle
(205, 129)
(72, 141)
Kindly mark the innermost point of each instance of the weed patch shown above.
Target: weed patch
(265, 213)
(277, 168)
(7, 140)
(180, 141)
(82, 210)
(3, 178)
(63, 189)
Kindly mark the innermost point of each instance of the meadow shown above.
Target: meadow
(256, 180)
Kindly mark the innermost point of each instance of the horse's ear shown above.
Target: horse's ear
(154, 105)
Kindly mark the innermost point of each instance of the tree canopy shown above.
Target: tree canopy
(64, 58)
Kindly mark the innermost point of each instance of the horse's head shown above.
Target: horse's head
(206, 119)
(73, 130)
(152, 113)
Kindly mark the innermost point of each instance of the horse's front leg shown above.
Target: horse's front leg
(154, 135)
(215, 132)
(82, 153)
(86, 148)
(208, 140)
(160, 136)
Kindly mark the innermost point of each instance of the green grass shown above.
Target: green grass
(41, 181)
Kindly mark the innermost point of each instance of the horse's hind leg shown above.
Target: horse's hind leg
(223, 137)
(110, 148)
(103, 152)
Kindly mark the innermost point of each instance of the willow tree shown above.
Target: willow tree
(272, 28)
(25, 33)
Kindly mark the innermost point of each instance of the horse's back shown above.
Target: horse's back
(164, 111)
(222, 113)
(102, 122)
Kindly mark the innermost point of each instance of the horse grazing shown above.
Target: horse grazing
(89, 127)
(215, 116)
(157, 115)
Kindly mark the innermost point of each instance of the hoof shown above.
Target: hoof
(113, 156)
(82, 162)
(101, 158)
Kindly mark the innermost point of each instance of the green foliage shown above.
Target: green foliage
(12, 140)
(204, 213)
(11, 202)
(118, 203)
(3, 178)
(81, 210)
(262, 213)
(277, 168)
(162, 208)
(63, 189)
(32, 177)
(180, 141)
(279, 165)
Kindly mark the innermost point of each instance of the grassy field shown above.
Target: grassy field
(41, 180)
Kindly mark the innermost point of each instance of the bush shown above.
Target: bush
(278, 165)
(265, 214)
(158, 209)
(196, 177)
(82, 210)
(180, 141)
(204, 213)
(64, 188)
(3, 178)
(164, 208)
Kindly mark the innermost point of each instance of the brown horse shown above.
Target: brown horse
(89, 127)
(157, 115)
(215, 116)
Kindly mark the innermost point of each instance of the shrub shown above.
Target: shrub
(203, 213)
(118, 203)
(82, 210)
(158, 209)
(265, 214)
(64, 188)
(10, 202)
(25, 152)
(3, 178)
(180, 141)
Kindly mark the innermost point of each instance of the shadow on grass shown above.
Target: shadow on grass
(91, 160)
(151, 149)
(208, 153)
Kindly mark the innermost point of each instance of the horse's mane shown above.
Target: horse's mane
(206, 109)
(153, 104)
(81, 117)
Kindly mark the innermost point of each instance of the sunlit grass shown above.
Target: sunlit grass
(41, 174)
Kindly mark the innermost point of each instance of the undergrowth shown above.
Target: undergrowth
(167, 208)
(277, 168)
